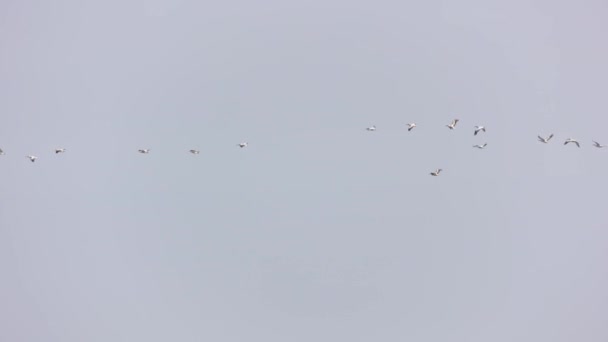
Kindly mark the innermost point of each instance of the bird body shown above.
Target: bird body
(371, 128)
(195, 151)
(410, 126)
(1, 152)
(481, 146)
(570, 140)
(243, 144)
(32, 158)
(435, 173)
(545, 140)
(60, 150)
(595, 143)
(452, 125)
(144, 151)
(479, 129)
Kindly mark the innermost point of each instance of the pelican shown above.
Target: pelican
(570, 140)
(242, 145)
(481, 146)
(452, 125)
(435, 173)
(32, 158)
(195, 151)
(478, 129)
(545, 140)
(410, 126)
(371, 128)
(595, 143)
(144, 151)
(59, 150)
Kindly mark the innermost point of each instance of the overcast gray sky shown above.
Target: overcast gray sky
(319, 230)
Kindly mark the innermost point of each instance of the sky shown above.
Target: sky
(318, 230)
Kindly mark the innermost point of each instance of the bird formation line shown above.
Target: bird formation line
(372, 128)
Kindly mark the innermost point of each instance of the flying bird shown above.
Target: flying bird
(481, 146)
(144, 151)
(479, 129)
(410, 126)
(242, 145)
(570, 140)
(59, 150)
(195, 151)
(435, 173)
(1, 152)
(595, 143)
(545, 140)
(371, 128)
(452, 125)
(32, 158)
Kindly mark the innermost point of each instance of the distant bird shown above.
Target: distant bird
(195, 151)
(481, 146)
(545, 140)
(452, 125)
(242, 145)
(410, 126)
(479, 129)
(435, 173)
(595, 143)
(144, 151)
(1, 152)
(32, 158)
(371, 128)
(570, 140)
(59, 150)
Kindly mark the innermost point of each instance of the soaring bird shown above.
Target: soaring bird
(570, 140)
(32, 158)
(595, 143)
(452, 125)
(371, 128)
(242, 145)
(410, 126)
(481, 146)
(435, 173)
(478, 129)
(144, 151)
(195, 151)
(545, 140)
(59, 150)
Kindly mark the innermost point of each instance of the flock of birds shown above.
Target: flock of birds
(478, 129)
(410, 126)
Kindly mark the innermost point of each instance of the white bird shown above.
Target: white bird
(452, 125)
(242, 145)
(478, 129)
(371, 128)
(545, 140)
(144, 151)
(32, 158)
(481, 146)
(570, 140)
(595, 143)
(59, 150)
(195, 151)
(410, 126)
(435, 173)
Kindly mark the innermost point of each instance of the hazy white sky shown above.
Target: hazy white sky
(318, 230)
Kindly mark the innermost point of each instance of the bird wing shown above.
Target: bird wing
(577, 144)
